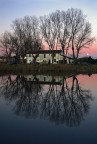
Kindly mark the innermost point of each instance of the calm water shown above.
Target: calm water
(48, 109)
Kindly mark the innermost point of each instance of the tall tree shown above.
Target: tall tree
(18, 32)
(31, 33)
(49, 31)
(26, 31)
(79, 30)
(7, 45)
(63, 34)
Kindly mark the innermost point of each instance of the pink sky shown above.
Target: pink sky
(91, 51)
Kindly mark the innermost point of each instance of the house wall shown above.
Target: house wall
(58, 57)
(44, 57)
(29, 58)
(69, 61)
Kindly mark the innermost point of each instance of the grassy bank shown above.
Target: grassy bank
(46, 69)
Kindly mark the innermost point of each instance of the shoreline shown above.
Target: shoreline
(53, 69)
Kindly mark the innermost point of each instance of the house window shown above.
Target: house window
(29, 61)
(44, 55)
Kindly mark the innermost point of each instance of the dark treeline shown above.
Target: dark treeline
(66, 30)
(67, 103)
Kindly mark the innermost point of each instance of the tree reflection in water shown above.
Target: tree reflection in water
(66, 103)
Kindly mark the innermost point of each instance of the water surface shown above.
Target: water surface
(48, 109)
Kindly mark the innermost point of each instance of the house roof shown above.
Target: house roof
(45, 52)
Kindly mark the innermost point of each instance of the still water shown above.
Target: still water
(43, 109)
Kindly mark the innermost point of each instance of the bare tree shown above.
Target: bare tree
(18, 37)
(63, 33)
(7, 45)
(84, 40)
(79, 31)
(31, 33)
(49, 31)
(26, 31)
(57, 24)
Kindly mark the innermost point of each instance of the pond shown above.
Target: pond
(44, 109)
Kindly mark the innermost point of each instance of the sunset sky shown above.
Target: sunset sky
(12, 9)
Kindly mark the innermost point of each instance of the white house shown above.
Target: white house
(69, 60)
(45, 56)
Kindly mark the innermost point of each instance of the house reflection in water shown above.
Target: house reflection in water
(45, 79)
